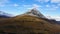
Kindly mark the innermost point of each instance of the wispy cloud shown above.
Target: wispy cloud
(27, 5)
(47, 5)
(59, 4)
(32, 6)
(52, 7)
(55, 1)
(52, 1)
(15, 5)
(2, 5)
(3, 2)
(42, 0)
(57, 18)
(36, 6)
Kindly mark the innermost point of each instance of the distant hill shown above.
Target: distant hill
(58, 22)
(27, 24)
(54, 21)
(4, 15)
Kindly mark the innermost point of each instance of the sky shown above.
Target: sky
(49, 8)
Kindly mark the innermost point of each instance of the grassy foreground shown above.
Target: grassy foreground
(28, 25)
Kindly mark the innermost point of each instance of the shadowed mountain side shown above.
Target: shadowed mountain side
(28, 25)
(4, 16)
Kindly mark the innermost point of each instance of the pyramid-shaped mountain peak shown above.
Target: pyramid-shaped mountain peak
(34, 12)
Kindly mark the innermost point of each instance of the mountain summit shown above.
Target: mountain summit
(34, 12)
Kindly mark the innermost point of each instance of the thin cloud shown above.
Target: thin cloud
(42, 0)
(2, 5)
(51, 7)
(3, 2)
(55, 1)
(59, 4)
(15, 5)
(57, 18)
(52, 1)
(27, 5)
(55, 6)
(32, 6)
(47, 5)
(36, 6)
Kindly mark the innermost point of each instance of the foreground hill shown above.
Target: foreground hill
(28, 25)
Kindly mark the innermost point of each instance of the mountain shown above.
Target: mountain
(58, 22)
(54, 21)
(34, 12)
(4, 15)
(28, 24)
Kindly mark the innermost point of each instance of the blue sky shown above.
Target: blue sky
(49, 8)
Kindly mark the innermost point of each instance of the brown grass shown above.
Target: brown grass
(28, 24)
